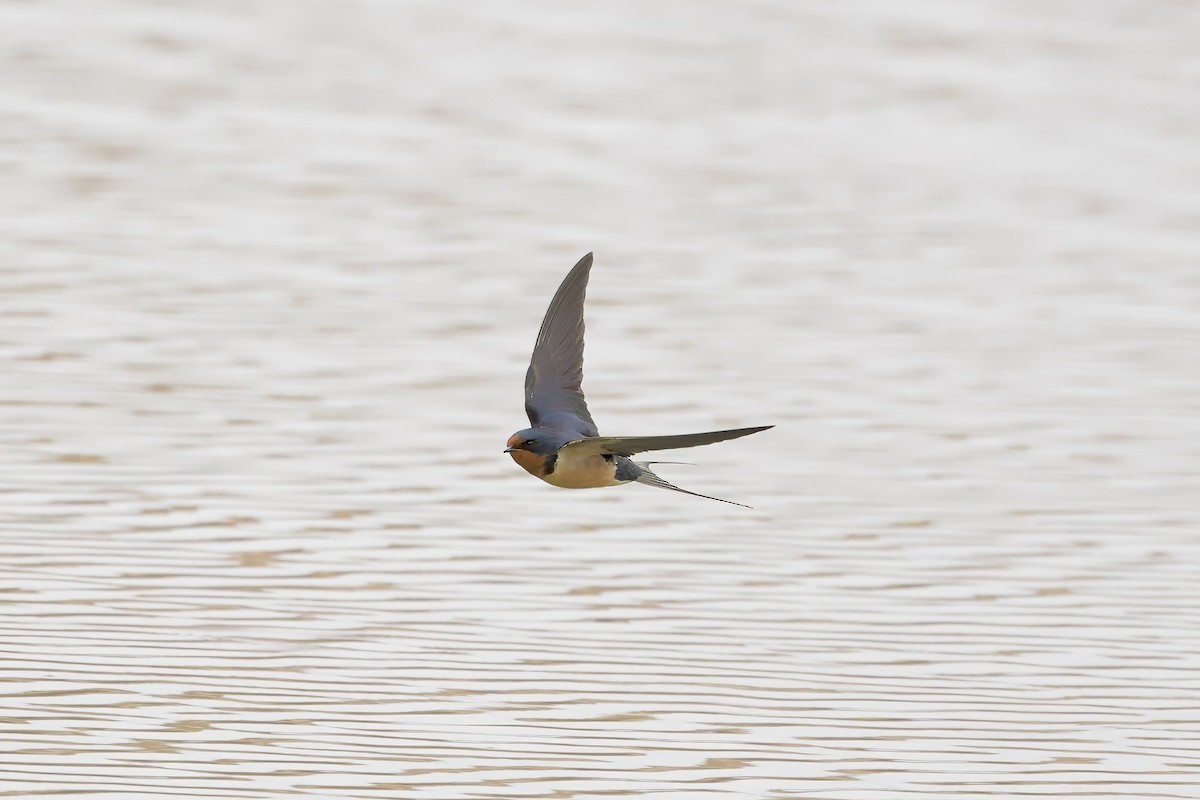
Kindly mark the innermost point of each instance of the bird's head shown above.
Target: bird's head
(530, 441)
(531, 450)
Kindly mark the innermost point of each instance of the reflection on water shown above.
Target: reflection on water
(270, 280)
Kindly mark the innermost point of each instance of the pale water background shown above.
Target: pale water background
(269, 277)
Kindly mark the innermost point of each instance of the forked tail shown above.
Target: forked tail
(646, 476)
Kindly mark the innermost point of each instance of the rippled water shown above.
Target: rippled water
(270, 277)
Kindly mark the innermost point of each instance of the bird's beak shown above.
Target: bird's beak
(509, 449)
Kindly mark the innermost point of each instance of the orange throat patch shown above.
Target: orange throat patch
(530, 462)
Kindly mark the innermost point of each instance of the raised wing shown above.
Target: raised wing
(629, 445)
(553, 384)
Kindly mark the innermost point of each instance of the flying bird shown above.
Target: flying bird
(562, 445)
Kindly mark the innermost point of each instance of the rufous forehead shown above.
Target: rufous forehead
(514, 440)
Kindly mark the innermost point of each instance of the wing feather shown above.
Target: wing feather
(630, 445)
(554, 381)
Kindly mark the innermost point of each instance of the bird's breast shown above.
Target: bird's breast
(572, 471)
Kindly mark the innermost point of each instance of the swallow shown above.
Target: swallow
(562, 445)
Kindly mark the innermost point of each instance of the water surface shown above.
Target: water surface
(270, 277)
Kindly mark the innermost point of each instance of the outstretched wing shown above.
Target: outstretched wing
(553, 384)
(629, 445)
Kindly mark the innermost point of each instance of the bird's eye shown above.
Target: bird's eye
(527, 443)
